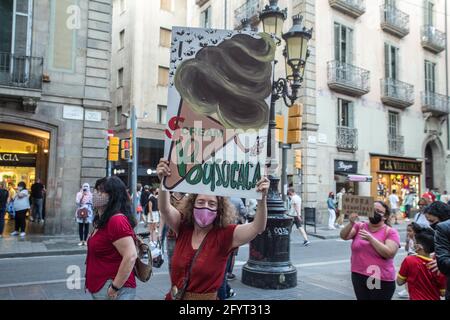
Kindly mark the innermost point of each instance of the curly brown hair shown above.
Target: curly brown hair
(226, 213)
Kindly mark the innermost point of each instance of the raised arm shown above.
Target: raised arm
(348, 232)
(245, 233)
(170, 215)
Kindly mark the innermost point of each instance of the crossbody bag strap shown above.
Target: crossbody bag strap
(186, 281)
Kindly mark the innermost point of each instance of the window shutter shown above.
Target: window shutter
(337, 42)
(349, 45)
(351, 116)
(397, 63)
(387, 61)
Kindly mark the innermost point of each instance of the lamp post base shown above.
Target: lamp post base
(273, 278)
(269, 265)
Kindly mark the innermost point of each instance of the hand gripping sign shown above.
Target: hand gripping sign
(218, 111)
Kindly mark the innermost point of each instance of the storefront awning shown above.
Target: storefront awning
(359, 178)
(355, 177)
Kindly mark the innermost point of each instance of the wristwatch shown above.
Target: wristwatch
(112, 286)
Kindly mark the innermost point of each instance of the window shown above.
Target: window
(163, 76)
(430, 76)
(122, 39)
(205, 18)
(391, 60)
(164, 37)
(343, 43)
(429, 13)
(120, 78)
(15, 31)
(345, 113)
(394, 124)
(162, 114)
(123, 6)
(118, 116)
(166, 5)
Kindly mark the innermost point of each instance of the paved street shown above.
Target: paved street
(323, 274)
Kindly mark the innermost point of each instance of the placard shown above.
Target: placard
(363, 206)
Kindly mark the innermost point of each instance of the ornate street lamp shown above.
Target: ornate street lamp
(273, 18)
(269, 265)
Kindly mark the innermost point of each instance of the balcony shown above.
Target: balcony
(436, 104)
(348, 79)
(397, 94)
(347, 139)
(353, 8)
(21, 80)
(394, 21)
(433, 39)
(396, 145)
(249, 10)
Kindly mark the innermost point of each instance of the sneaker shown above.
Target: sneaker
(231, 294)
(80, 243)
(407, 220)
(403, 294)
(85, 243)
(42, 221)
(15, 233)
(231, 276)
(22, 234)
(31, 219)
(306, 243)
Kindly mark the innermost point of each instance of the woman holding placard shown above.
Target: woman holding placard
(374, 247)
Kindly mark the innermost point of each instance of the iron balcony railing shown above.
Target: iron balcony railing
(394, 20)
(347, 77)
(347, 139)
(397, 93)
(21, 71)
(354, 8)
(249, 10)
(435, 103)
(433, 39)
(396, 145)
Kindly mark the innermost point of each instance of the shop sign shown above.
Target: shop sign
(342, 166)
(363, 206)
(17, 160)
(400, 166)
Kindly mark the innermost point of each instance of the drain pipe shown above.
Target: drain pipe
(446, 71)
(226, 15)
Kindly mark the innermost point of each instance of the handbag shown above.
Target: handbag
(179, 294)
(157, 256)
(83, 212)
(144, 262)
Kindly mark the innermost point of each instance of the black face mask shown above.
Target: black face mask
(376, 219)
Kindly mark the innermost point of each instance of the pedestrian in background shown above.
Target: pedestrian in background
(145, 195)
(374, 246)
(332, 211)
(442, 248)
(3, 202)
(153, 215)
(420, 217)
(409, 202)
(295, 211)
(21, 207)
(84, 201)
(111, 251)
(10, 205)
(37, 199)
(340, 215)
(445, 198)
(393, 201)
(437, 212)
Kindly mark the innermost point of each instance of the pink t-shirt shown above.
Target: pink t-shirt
(366, 260)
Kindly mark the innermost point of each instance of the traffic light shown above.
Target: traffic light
(125, 149)
(298, 159)
(113, 149)
(279, 128)
(294, 135)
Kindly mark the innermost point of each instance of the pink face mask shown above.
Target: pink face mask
(204, 216)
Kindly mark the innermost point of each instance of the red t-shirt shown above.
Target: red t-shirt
(209, 267)
(103, 259)
(423, 284)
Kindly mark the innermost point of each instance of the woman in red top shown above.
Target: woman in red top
(111, 250)
(206, 218)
